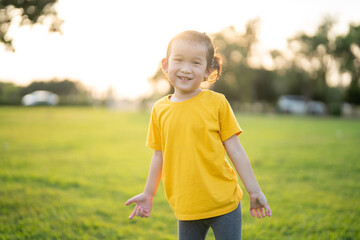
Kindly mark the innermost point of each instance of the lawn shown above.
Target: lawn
(65, 173)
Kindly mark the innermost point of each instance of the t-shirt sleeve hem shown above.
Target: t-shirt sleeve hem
(154, 146)
(229, 134)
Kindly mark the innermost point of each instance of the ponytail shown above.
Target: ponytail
(215, 68)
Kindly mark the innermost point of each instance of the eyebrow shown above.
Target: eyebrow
(182, 55)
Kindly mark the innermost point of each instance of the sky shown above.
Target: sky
(119, 44)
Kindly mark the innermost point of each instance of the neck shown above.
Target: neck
(179, 96)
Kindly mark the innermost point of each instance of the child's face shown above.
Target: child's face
(186, 66)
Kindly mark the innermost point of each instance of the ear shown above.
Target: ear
(164, 65)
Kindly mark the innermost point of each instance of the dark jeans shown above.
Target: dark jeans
(225, 227)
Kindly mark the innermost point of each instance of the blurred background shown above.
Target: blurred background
(291, 72)
(281, 56)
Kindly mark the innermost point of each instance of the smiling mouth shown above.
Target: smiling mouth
(184, 78)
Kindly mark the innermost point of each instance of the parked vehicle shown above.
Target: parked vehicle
(40, 98)
(296, 104)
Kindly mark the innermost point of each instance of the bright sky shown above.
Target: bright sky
(121, 43)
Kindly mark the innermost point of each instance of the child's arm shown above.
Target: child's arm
(241, 162)
(144, 200)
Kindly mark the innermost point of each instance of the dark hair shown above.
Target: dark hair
(213, 59)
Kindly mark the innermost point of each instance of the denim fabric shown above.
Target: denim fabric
(225, 227)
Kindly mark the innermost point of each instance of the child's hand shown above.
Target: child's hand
(258, 202)
(143, 205)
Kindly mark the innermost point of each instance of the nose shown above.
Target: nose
(185, 69)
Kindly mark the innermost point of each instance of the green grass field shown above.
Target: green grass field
(65, 173)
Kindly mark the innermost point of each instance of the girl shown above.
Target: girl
(189, 131)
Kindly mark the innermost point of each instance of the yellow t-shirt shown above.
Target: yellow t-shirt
(198, 180)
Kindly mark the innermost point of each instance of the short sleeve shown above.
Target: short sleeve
(228, 123)
(153, 138)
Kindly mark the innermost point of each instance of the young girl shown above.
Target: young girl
(189, 131)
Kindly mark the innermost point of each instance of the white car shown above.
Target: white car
(40, 98)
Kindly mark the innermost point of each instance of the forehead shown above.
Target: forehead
(188, 48)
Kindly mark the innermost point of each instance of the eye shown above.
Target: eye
(177, 59)
(196, 63)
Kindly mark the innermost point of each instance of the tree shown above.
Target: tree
(238, 79)
(65, 87)
(10, 94)
(347, 53)
(30, 12)
(313, 55)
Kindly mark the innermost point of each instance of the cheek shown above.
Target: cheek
(171, 71)
(201, 71)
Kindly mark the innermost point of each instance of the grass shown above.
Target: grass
(65, 173)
